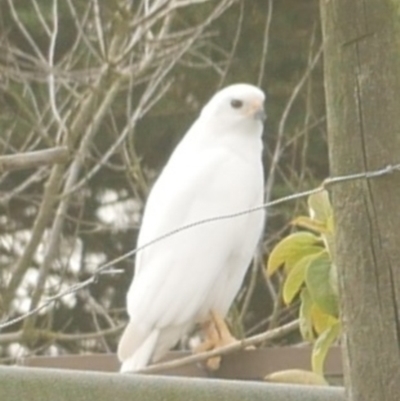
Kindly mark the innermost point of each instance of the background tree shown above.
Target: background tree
(117, 83)
(362, 57)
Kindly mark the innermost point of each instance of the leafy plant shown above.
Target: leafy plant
(307, 260)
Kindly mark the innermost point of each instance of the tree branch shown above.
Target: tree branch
(20, 336)
(57, 155)
(238, 345)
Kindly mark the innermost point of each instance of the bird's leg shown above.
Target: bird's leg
(210, 339)
(224, 335)
(216, 335)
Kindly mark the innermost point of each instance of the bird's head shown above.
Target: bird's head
(237, 104)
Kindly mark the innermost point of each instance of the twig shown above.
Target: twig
(37, 158)
(265, 43)
(228, 349)
(251, 287)
(47, 302)
(282, 123)
(51, 78)
(25, 32)
(234, 45)
(19, 336)
(34, 178)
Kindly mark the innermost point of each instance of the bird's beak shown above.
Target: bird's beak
(257, 111)
(260, 114)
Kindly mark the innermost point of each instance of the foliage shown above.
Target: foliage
(310, 274)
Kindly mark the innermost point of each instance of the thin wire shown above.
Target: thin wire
(105, 268)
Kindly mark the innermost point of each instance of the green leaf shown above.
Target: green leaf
(310, 224)
(322, 345)
(297, 376)
(296, 277)
(321, 321)
(306, 327)
(328, 237)
(333, 279)
(318, 282)
(330, 224)
(320, 207)
(291, 249)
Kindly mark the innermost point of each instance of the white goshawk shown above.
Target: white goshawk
(179, 281)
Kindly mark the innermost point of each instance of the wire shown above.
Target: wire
(105, 268)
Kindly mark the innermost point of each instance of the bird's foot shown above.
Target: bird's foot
(217, 335)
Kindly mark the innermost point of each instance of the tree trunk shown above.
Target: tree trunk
(362, 83)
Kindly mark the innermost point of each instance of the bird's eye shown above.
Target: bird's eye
(236, 104)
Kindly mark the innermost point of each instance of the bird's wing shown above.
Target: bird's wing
(174, 276)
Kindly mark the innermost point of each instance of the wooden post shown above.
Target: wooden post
(362, 82)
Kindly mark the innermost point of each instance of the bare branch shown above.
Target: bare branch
(228, 349)
(37, 158)
(36, 335)
(265, 43)
(282, 123)
(58, 223)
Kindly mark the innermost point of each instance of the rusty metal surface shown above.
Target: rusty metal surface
(244, 365)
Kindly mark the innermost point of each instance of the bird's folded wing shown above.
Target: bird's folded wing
(175, 275)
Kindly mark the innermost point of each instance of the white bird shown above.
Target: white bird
(215, 170)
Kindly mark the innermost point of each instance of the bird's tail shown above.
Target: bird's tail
(141, 356)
